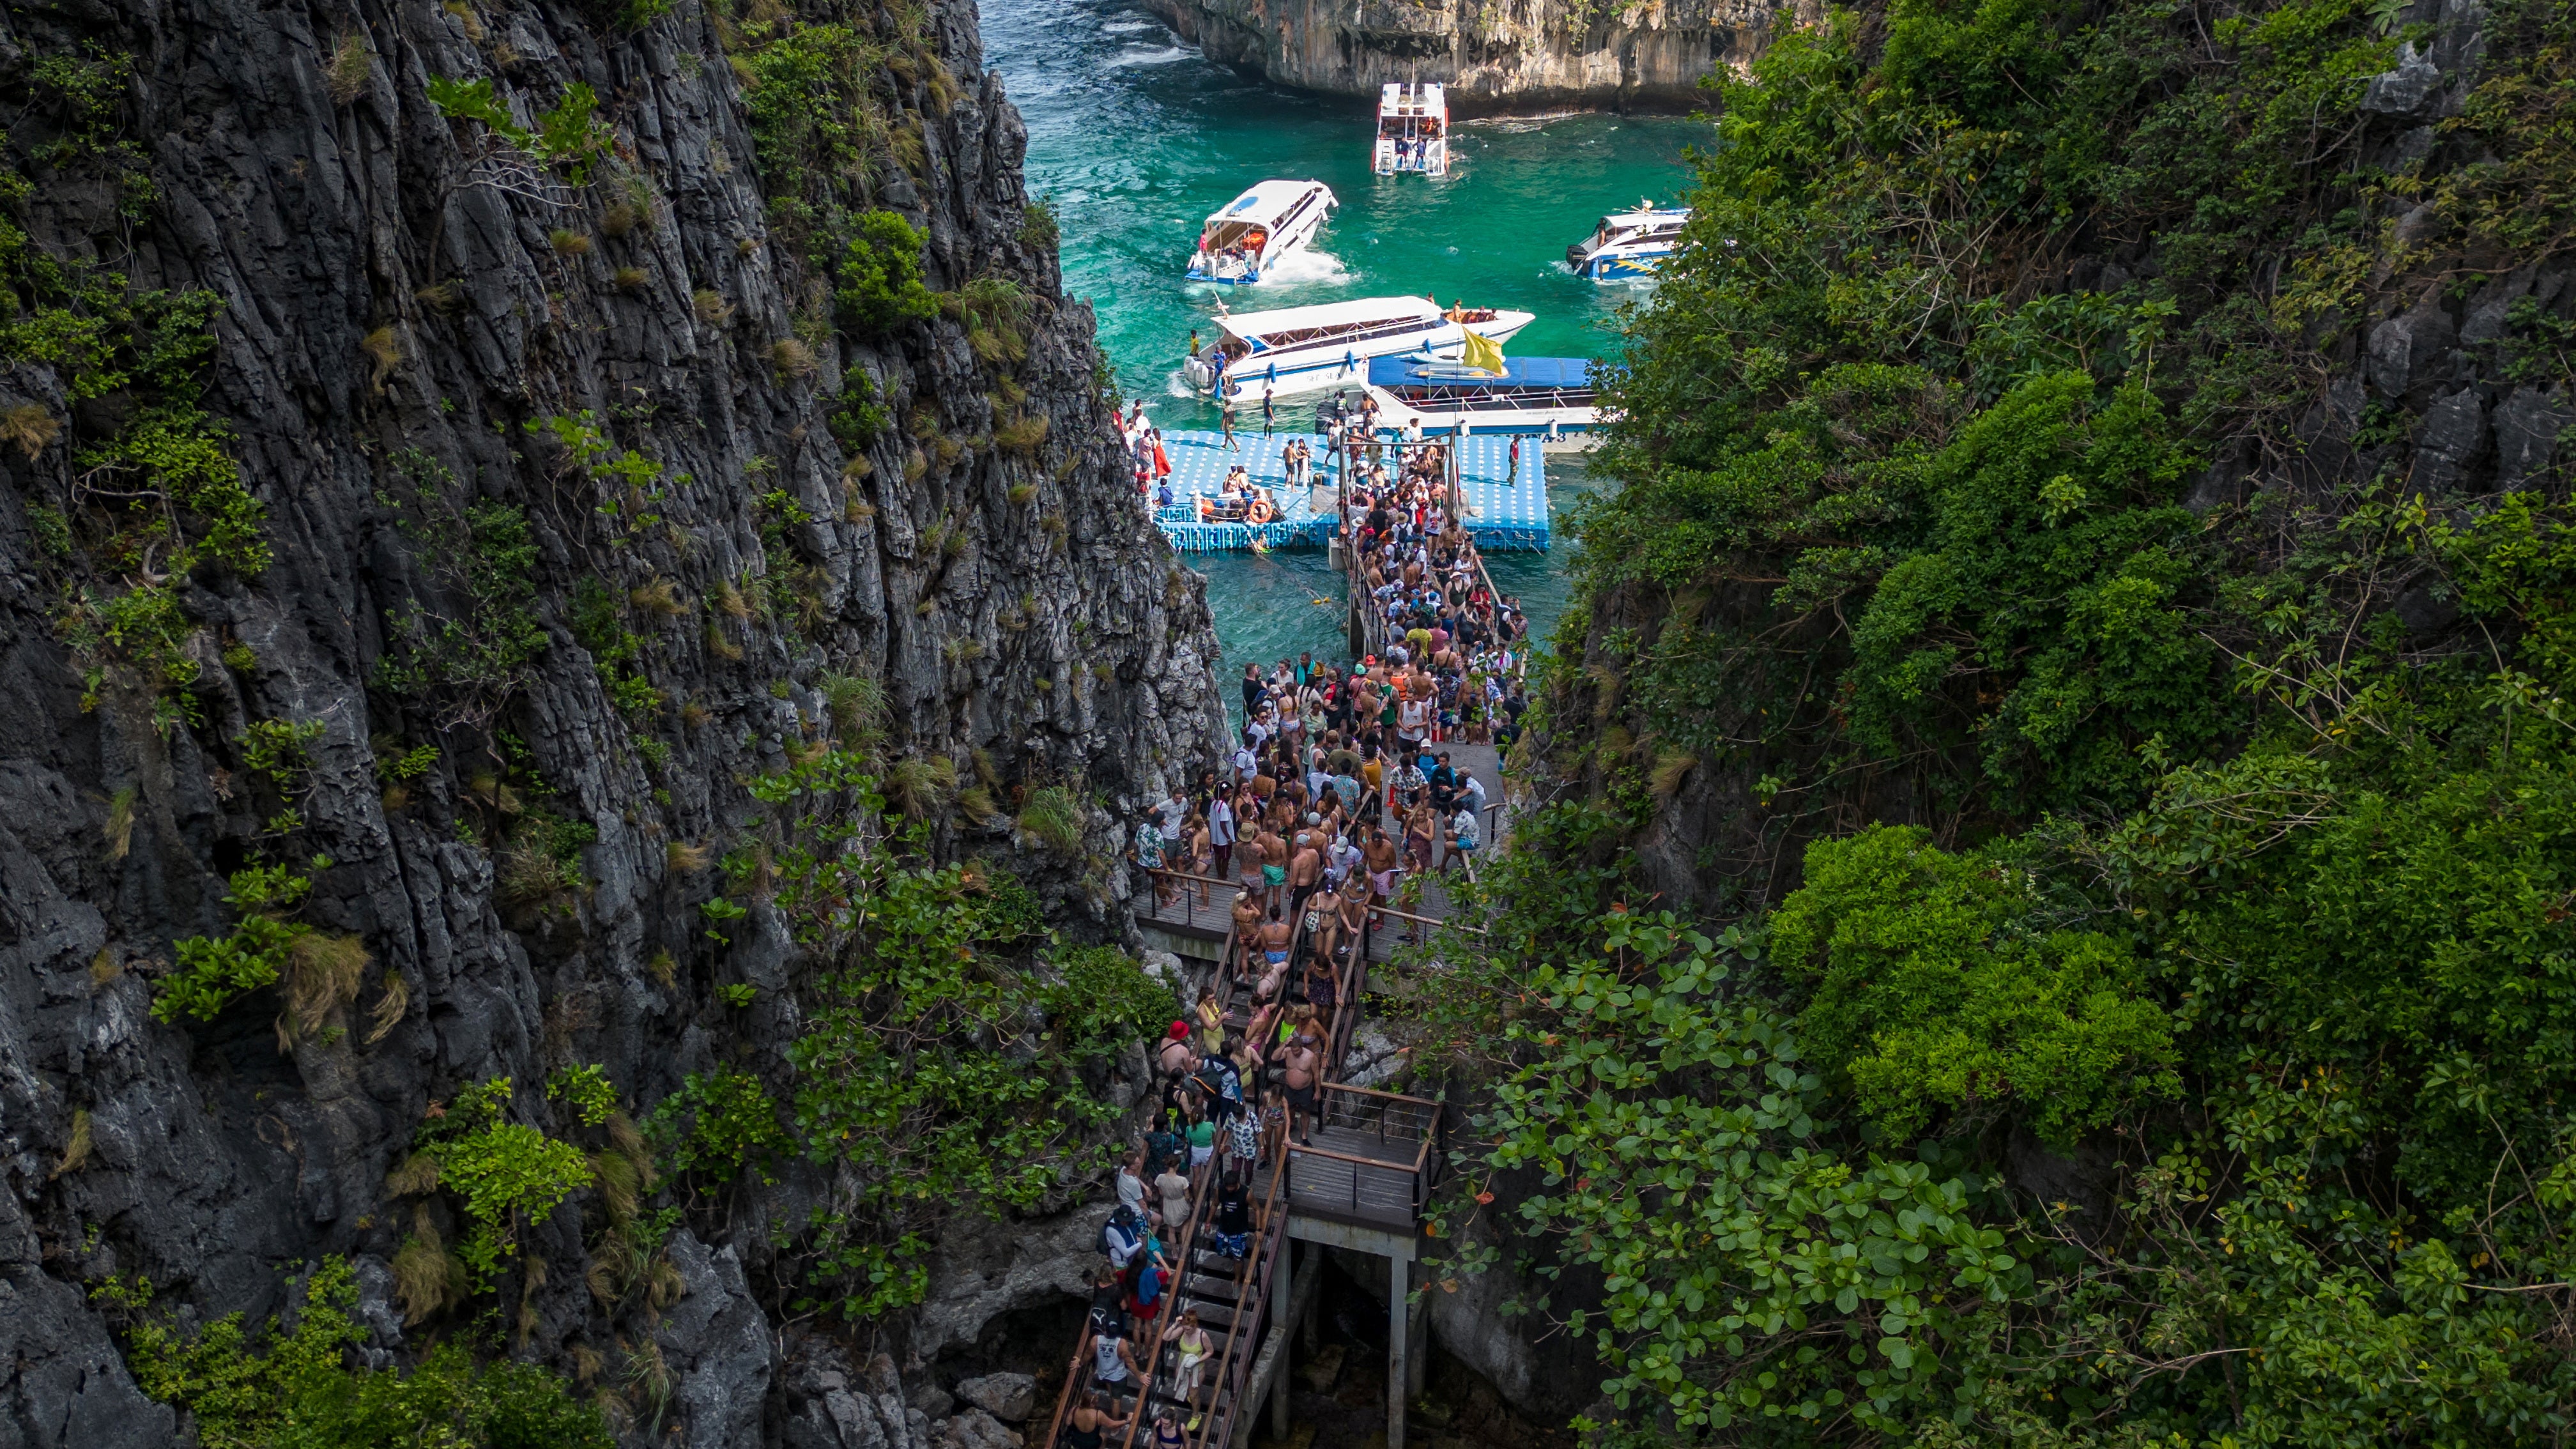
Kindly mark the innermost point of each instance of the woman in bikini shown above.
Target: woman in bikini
(1089, 1423)
(1201, 852)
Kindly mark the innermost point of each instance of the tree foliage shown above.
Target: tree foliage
(2162, 1037)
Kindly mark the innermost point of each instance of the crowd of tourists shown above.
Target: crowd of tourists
(1338, 790)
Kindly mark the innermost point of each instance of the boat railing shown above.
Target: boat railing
(1471, 402)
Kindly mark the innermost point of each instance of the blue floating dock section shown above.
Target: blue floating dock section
(1199, 464)
(1506, 502)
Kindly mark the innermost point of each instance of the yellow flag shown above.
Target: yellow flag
(1480, 352)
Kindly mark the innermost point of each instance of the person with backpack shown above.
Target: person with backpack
(1221, 1085)
(1233, 1218)
(1144, 1296)
(1122, 1237)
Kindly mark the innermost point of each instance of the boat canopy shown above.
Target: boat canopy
(1290, 326)
(1429, 98)
(1653, 221)
(1554, 374)
(1260, 211)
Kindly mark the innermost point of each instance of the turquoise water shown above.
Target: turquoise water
(1134, 139)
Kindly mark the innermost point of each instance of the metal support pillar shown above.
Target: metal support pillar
(1399, 1344)
(1284, 1292)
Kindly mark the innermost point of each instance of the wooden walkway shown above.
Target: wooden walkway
(1370, 1162)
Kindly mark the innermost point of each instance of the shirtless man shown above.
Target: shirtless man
(1380, 858)
(1274, 955)
(1274, 868)
(1300, 1064)
(1305, 868)
(1247, 932)
(1352, 918)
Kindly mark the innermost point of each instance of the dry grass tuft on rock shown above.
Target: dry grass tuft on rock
(389, 1007)
(686, 859)
(427, 1277)
(793, 358)
(1023, 434)
(658, 597)
(119, 828)
(30, 427)
(322, 975)
(710, 307)
(569, 243)
(351, 65)
(621, 218)
(76, 1151)
(630, 279)
(385, 351)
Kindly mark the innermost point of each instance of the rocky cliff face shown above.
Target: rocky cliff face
(463, 511)
(1522, 55)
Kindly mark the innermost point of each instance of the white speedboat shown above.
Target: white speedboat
(1547, 396)
(1412, 129)
(1243, 242)
(1629, 244)
(1308, 349)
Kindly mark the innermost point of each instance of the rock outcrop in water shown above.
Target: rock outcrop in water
(463, 505)
(1534, 55)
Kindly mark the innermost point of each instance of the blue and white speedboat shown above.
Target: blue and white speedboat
(1308, 349)
(1629, 244)
(1245, 240)
(1549, 396)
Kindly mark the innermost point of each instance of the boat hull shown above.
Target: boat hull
(1622, 267)
(1395, 414)
(1294, 370)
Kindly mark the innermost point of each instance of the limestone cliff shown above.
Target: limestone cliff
(1507, 56)
(470, 500)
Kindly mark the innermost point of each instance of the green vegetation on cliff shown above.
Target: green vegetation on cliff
(2125, 995)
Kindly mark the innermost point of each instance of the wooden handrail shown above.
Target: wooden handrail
(1257, 1261)
(1200, 1203)
(1390, 1096)
(1185, 875)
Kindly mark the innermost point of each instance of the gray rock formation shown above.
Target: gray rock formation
(1530, 56)
(402, 310)
(1008, 1397)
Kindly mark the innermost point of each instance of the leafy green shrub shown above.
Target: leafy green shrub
(475, 637)
(877, 279)
(1038, 231)
(718, 1125)
(1107, 1000)
(586, 1090)
(1933, 988)
(293, 1389)
(570, 134)
(507, 1172)
(214, 972)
